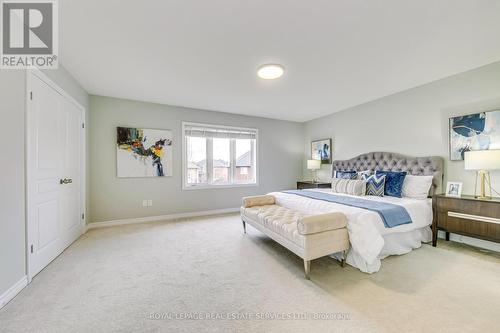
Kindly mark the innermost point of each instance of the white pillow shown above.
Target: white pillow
(364, 172)
(416, 187)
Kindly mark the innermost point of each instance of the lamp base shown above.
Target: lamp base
(314, 179)
(482, 174)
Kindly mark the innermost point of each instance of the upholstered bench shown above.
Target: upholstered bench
(308, 236)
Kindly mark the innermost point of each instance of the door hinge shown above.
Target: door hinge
(83, 216)
(31, 248)
(83, 125)
(31, 95)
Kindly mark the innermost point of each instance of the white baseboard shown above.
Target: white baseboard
(491, 246)
(7, 296)
(147, 219)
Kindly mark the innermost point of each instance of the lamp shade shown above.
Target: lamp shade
(313, 164)
(482, 160)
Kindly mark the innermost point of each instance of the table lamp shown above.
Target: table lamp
(482, 161)
(314, 165)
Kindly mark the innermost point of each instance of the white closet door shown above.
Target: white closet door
(54, 166)
(70, 193)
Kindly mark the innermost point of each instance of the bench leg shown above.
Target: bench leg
(244, 227)
(344, 254)
(307, 268)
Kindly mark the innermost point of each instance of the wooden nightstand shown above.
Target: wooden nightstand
(309, 184)
(467, 215)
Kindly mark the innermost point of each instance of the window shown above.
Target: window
(196, 160)
(218, 156)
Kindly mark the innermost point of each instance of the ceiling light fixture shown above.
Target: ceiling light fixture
(270, 71)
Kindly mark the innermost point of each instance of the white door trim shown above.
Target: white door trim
(12, 292)
(28, 156)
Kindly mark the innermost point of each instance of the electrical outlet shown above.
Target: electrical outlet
(150, 203)
(144, 203)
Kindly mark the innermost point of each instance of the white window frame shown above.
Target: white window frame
(209, 158)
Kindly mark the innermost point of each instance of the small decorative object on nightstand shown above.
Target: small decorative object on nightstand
(308, 184)
(314, 165)
(466, 215)
(454, 189)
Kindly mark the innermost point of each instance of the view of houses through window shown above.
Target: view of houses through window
(219, 156)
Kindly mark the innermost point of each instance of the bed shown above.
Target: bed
(370, 240)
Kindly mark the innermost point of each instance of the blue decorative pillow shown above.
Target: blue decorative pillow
(375, 184)
(393, 182)
(346, 174)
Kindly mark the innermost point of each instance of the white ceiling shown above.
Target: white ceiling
(336, 53)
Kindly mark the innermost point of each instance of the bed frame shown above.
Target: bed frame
(417, 166)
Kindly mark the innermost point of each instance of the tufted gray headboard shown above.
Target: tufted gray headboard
(418, 166)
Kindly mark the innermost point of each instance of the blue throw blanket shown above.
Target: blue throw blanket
(392, 215)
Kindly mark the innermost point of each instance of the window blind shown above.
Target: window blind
(206, 131)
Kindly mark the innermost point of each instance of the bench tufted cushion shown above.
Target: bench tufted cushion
(281, 220)
(416, 166)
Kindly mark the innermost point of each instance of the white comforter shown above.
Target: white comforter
(367, 232)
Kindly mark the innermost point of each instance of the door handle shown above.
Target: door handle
(65, 181)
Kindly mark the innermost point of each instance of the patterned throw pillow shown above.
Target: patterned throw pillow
(348, 186)
(346, 174)
(375, 184)
(393, 182)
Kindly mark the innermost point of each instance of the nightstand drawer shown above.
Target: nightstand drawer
(460, 206)
(469, 225)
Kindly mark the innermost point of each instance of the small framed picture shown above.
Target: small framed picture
(454, 189)
(322, 150)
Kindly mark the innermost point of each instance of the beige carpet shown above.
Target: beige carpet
(116, 279)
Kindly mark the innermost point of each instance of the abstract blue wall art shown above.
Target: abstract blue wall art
(322, 150)
(479, 131)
